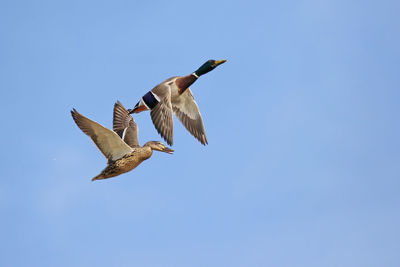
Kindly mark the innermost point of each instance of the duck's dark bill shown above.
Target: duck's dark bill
(168, 150)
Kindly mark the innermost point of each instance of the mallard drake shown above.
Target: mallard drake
(174, 95)
(121, 146)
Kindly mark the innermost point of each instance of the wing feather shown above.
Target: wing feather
(187, 111)
(161, 115)
(125, 126)
(107, 141)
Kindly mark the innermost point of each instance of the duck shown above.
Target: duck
(120, 146)
(174, 96)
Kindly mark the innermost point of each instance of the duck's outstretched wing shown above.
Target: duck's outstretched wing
(107, 141)
(124, 125)
(161, 114)
(187, 111)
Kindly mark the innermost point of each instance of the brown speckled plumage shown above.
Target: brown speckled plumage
(121, 146)
(125, 164)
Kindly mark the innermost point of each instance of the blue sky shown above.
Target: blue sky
(302, 166)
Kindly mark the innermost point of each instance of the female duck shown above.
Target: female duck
(174, 95)
(121, 146)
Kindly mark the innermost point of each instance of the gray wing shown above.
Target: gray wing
(187, 111)
(161, 114)
(107, 141)
(124, 125)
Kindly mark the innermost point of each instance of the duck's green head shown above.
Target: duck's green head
(208, 66)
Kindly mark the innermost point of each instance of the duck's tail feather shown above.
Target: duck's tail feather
(98, 177)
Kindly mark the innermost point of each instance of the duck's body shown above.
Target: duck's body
(174, 96)
(121, 146)
(126, 163)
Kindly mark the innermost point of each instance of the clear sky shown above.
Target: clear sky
(303, 162)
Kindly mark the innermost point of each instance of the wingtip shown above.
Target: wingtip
(169, 142)
(74, 113)
(118, 103)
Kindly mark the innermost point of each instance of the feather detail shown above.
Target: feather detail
(187, 111)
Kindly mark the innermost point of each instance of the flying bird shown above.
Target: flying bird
(121, 146)
(174, 95)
